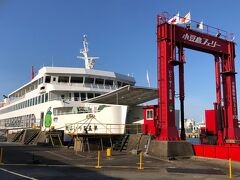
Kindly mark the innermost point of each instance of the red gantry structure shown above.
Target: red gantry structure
(222, 121)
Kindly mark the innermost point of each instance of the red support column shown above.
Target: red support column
(217, 107)
(230, 96)
(218, 80)
(168, 130)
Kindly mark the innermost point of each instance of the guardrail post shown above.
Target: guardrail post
(140, 161)
(230, 168)
(98, 163)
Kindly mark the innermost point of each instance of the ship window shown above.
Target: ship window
(40, 81)
(97, 94)
(108, 82)
(119, 83)
(76, 96)
(47, 79)
(99, 81)
(90, 95)
(39, 99)
(76, 80)
(89, 80)
(63, 79)
(54, 78)
(83, 96)
(28, 103)
(42, 99)
(36, 100)
(46, 97)
(124, 84)
(150, 114)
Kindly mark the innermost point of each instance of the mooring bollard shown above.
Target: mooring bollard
(98, 163)
(1, 155)
(230, 168)
(140, 161)
(109, 153)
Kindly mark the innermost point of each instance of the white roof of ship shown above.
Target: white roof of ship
(76, 71)
(83, 71)
(127, 95)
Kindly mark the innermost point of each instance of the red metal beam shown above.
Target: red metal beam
(168, 38)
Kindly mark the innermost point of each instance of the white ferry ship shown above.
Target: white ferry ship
(57, 98)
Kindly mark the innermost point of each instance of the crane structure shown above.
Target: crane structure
(171, 41)
(222, 121)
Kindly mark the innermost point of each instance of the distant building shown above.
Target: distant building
(189, 125)
(198, 126)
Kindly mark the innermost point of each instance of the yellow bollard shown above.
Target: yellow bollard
(140, 161)
(1, 155)
(230, 168)
(99, 156)
(109, 152)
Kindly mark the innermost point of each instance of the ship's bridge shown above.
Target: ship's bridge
(127, 95)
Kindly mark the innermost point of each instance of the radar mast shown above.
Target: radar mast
(89, 61)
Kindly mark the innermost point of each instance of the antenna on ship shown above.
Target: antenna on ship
(89, 61)
(33, 72)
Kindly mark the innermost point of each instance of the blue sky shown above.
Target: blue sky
(120, 32)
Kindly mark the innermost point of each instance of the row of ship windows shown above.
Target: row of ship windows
(70, 79)
(87, 80)
(81, 96)
(30, 102)
(77, 96)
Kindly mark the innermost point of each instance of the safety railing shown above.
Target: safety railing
(197, 26)
(100, 128)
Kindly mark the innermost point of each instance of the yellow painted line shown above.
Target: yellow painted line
(17, 174)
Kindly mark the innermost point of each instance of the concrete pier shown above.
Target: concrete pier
(169, 149)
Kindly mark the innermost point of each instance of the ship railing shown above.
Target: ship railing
(17, 128)
(16, 99)
(66, 99)
(78, 112)
(101, 128)
(89, 85)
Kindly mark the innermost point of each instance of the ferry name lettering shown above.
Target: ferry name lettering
(200, 40)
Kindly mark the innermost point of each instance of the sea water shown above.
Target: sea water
(193, 140)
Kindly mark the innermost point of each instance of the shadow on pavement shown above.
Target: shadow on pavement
(33, 161)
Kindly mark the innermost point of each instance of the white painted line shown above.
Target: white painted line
(17, 174)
